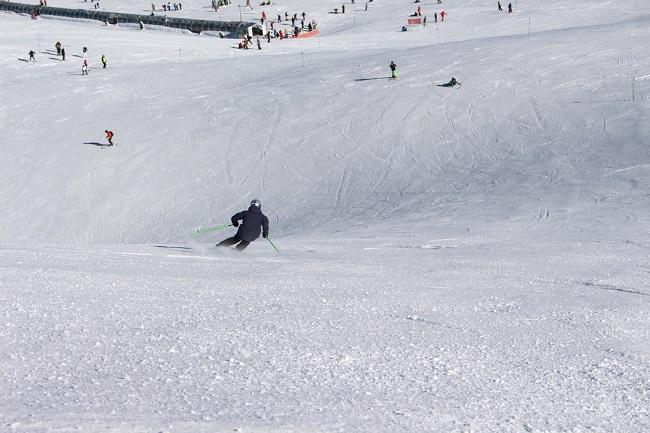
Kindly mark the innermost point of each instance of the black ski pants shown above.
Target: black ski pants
(232, 241)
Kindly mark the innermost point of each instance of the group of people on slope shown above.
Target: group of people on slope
(499, 8)
(168, 7)
(60, 51)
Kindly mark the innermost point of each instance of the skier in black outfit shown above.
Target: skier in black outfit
(451, 83)
(249, 230)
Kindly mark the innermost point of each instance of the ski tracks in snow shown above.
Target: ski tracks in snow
(344, 179)
(229, 151)
(263, 152)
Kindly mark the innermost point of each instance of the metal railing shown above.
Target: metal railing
(233, 28)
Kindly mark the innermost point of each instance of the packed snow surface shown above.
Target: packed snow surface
(451, 259)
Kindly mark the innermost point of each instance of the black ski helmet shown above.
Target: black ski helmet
(256, 203)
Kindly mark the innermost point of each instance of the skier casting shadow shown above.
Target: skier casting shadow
(249, 230)
(370, 79)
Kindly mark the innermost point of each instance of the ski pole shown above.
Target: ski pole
(274, 247)
(204, 230)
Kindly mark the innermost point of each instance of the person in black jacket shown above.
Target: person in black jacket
(393, 70)
(249, 230)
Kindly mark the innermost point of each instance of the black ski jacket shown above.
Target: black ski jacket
(253, 219)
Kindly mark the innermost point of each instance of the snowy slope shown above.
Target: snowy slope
(202, 127)
(469, 259)
(487, 337)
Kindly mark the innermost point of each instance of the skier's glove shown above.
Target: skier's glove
(235, 224)
(265, 236)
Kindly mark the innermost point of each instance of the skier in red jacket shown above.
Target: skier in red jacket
(109, 137)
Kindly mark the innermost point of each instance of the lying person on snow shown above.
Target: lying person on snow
(453, 82)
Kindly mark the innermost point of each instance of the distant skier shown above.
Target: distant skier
(252, 220)
(509, 8)
(62, 53)
(31, 55)
(84, 69)
(58, 48)
(109, 137)
(442, 16)
(499, 6)
(259, 45)
(104, 61)
(393, 70)
(451, 83)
